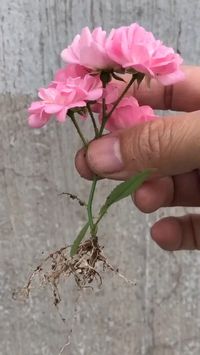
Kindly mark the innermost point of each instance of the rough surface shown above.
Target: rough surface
(158, 316)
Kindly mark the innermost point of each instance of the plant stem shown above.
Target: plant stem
(121, 96)
(96, 131)
(93, 226)
(104, 114)
(78, 130)
(98, 220)
(106, 117)
(89, 207)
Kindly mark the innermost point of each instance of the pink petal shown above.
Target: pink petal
(48, 94)
(85, 38)
(71, 53)
(52, 108)
(94, 94)
(61, 116)
(36, 107)
(38, 121)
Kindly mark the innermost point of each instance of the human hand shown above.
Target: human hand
(171, 145)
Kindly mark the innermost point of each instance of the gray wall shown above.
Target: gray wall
(161, 314)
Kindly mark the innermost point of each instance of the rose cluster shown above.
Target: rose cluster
(129, 49)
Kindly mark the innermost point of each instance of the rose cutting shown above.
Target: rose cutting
(97, 83)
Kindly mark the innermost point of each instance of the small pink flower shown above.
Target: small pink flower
(133, 47)
(58, 98)
(53, 102)
(128, 113)
(89, 49)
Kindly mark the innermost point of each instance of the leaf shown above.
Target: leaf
(125, 189)
(79, 239)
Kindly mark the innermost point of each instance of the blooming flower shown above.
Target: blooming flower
(128, 113)
(133, 47)
(89, 49)
(126, 49)
(59, 97)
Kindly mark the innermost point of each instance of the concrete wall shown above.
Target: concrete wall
(161, 314)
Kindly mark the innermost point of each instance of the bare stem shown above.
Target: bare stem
(89, 207)
(78, 130)
(96, 131)
(93, 227)
(106, 116)
(121, 96)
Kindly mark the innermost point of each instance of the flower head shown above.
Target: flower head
(134, 48)
(89, 50)
(59, 97)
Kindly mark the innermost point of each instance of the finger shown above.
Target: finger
(154, 194)
(176, 233)
(171, 145)
(82, 166)
(181, 190)
(183, 96)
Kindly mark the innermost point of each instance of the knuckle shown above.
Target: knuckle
(153, 142)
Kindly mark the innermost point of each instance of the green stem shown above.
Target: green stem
(78, 130)
(96, 131)
(89, 207)
(121, 96)
(106, 117)
(98, 220)
(93, 227)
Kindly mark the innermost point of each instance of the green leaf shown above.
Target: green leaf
(79, 239)
(125, 189)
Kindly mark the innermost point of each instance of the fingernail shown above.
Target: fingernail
(104, 155)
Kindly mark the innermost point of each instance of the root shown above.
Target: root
(60, 265)
(74, 197)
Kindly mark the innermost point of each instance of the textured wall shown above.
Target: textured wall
(161, 314)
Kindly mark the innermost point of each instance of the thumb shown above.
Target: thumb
(170, 144)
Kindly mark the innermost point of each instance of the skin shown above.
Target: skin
(172, 146)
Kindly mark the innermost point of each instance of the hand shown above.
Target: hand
(171, 145)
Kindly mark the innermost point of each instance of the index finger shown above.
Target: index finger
(183, 96)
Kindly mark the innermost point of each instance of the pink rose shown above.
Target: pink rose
(89, 49)
(53, 102)
(134, 48)
(128, 113)
(58, 98)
